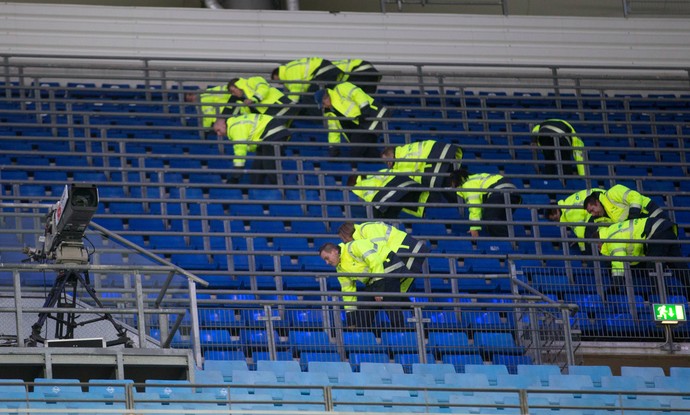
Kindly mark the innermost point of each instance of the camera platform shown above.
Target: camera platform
(66, 316)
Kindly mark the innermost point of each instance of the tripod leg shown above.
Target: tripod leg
(51, 300)
(121, 332)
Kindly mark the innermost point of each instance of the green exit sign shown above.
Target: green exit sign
(669, 313)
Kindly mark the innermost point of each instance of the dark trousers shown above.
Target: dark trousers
(358, 135)
(393, 212)
(367, 79)
(266, 155)
(412, 254)
(566, 155)
(364, 317)
(498, 213)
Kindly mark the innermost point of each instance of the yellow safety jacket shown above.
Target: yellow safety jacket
(618, 200)
(246, 127)
(578, 215)
(350, 65)
(210, 101)
(417, 153)
(613, 243)
(474, 198)
(360, 257)
(347, 100)
(297, 74)
(380, 232)
(260, 91)
(377, 182)
(573, 141)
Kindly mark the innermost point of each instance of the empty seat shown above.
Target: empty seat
(460, 361)
(399, 341)
(437, 371)
(594, 372)
(541, 371)
(310, 341)
(359, 341)
(279, 368)
(449, 342)
(490, 371)
(646, 373)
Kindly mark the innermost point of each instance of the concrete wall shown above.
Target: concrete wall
(283, 35)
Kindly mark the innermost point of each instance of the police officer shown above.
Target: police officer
(254, 132)
(561, 143)
(434, 158)
(616, 241)
(479, 189)
(255, 91)
(370, 260)
(359, 72)
(621, 203)
(404, 245)
(571, 210)
(348, 107)
(213, 101)
(303, 77)
(392, 193)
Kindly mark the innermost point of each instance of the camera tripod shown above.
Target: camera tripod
(66, 321)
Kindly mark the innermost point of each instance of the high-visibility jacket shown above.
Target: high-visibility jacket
(614, 240)
(360, 257)
(375, 181)
(578, 214)
(260, 91)
(350, 65)
(210, 104)
(297, 74)
(380, 232)
(347, 101)
(246, 127)
(563, 129)
(619, 200)
(412, 158)
(482, 184)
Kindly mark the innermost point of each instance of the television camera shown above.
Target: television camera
(66, 223)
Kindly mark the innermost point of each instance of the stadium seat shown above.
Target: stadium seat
(646, 373)
(489, 371)
(356, 359)
(359, 341)
(437, 371)
(310, 341)
(399, 341)
(279, 368)
(541, 371)
(460, 361)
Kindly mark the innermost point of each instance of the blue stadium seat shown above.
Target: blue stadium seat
(226, 367)
(279, 368)
(310, 341)
(646, 373)
(441, 343)
(511, 361)
(541, 371)
(436, 371)
(460, 361)
(594, 372)
(490, 372)
(380, 371)
(399, 341)
(356, 359)
(334, 369)
(359, 341)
